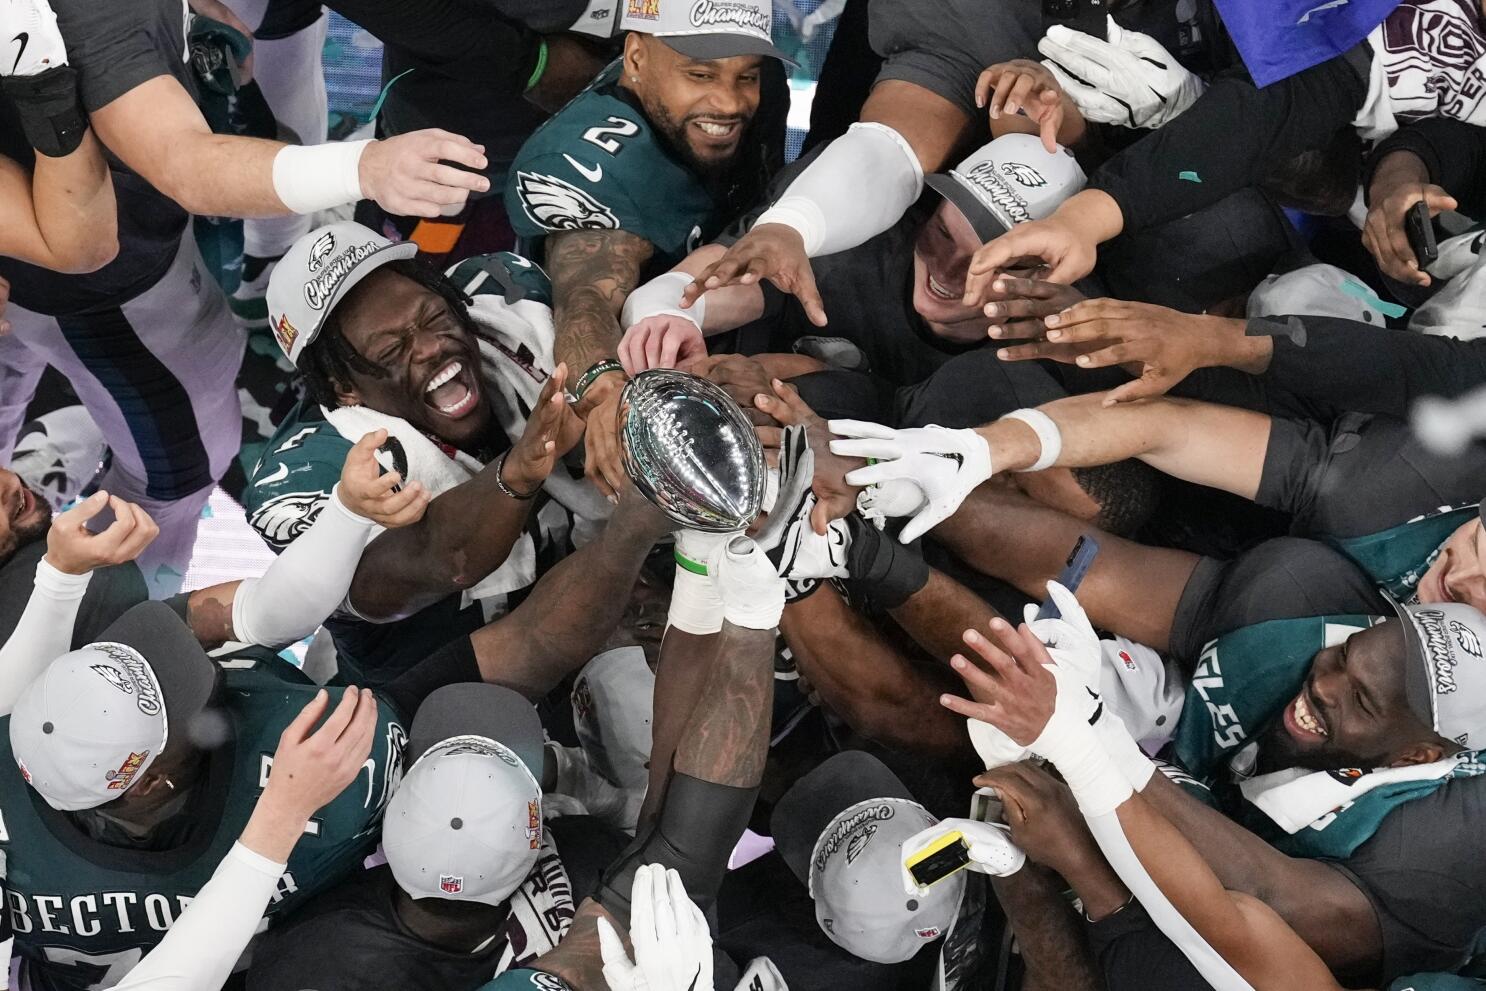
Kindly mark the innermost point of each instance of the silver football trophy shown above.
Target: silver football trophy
(691, 451)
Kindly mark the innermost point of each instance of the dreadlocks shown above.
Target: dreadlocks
(329, 362)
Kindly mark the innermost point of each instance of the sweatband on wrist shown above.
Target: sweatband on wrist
(696, 607)
(539, 69)
(52, 118)
(1048, 435)
(307, 178)
(662, 294)
(884, 570)
(306, 583)
(824, 203)
(1074, 748)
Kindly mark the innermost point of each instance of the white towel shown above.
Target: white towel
(1295, 797)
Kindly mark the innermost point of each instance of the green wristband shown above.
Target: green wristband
(687, 564)
(541, 67)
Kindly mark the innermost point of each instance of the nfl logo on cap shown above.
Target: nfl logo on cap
(451, 884)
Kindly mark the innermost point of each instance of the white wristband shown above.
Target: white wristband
(307, 178)
(662, 294)
(1048, 435)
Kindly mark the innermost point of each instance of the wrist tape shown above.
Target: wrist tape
(1069, 741)
(1048, 435)
(882, 569)
(307, 178)
(51, 116)
(696, 607)
(662, 294)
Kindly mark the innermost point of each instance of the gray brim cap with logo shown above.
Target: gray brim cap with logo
(465, 822)
(316, 273)
(706, 29)
(1009, 181)
(840, 829)
(95, 720)
(1445, 673)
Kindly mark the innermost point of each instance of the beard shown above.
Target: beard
(25, 535)
(673, 133)
(1278, 751)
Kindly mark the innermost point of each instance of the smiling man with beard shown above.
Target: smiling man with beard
(668, 145)
(475, 423)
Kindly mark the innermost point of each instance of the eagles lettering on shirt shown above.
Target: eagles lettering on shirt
(1243, 680)
(85, 912)
(597, 164)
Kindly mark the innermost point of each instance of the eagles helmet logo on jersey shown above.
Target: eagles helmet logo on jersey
(285, 518)
(561, 206)
(1024, 174)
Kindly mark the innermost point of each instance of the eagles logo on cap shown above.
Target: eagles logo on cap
(321, 250)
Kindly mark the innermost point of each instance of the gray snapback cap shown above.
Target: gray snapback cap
(706, 29)
(1009, 181)
(465, 822)
(1445, 677)
(841, 829)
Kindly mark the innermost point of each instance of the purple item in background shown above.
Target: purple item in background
(1279, 38)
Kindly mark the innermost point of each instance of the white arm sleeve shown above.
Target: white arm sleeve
(307, 582)
(200, 950)
(44, 632)
(856, 189)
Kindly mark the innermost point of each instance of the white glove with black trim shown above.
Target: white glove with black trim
(30, 29)
(673, 946)
(802, 556)
(988, 845)
(946, 465)
(1129, 80)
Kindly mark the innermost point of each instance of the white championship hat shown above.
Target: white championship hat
(1009, 181)
(317, 272)
(465, 823)
(841, 829)
(706, 29)
(95, 720)
(1319, 290)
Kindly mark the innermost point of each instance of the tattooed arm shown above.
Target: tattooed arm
(593, 273)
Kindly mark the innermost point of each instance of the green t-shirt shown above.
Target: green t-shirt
(84, 912)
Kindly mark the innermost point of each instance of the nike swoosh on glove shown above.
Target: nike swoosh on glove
(33, 42)
(1129, 80)
(673, 946)
(802, 557)
(946, 465)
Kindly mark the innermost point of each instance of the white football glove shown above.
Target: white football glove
(37, 44)
(673, 947)
(1128, 80)
(802, 556)
(696, 606)
(1070, 639)
(751, 590)
(946, 465)
(988, 845)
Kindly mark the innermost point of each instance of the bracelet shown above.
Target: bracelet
(539, 69)
(500, 483)
(591, 376)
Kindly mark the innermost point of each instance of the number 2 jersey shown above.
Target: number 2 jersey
(598, 164)
(84, 912)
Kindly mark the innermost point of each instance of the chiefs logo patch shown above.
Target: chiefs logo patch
(560, 206)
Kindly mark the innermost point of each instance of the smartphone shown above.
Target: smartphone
(1087, 16)
(942, 858)
(1080, 559)
(1420, 230)
(392, 457)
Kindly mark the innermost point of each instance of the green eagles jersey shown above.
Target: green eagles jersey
(1243, 680)
(597, 164)
(1397, 558)
(85, 912)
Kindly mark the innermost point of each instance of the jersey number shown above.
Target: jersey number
(99, 970)
(604, 134)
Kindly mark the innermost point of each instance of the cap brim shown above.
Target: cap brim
(715, 46)
(806, 810)
(395, 251)
(490, 711)
(1418, 689)
(987, 225)
(187, 675)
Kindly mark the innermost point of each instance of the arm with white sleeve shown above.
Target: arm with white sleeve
(309, 770)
